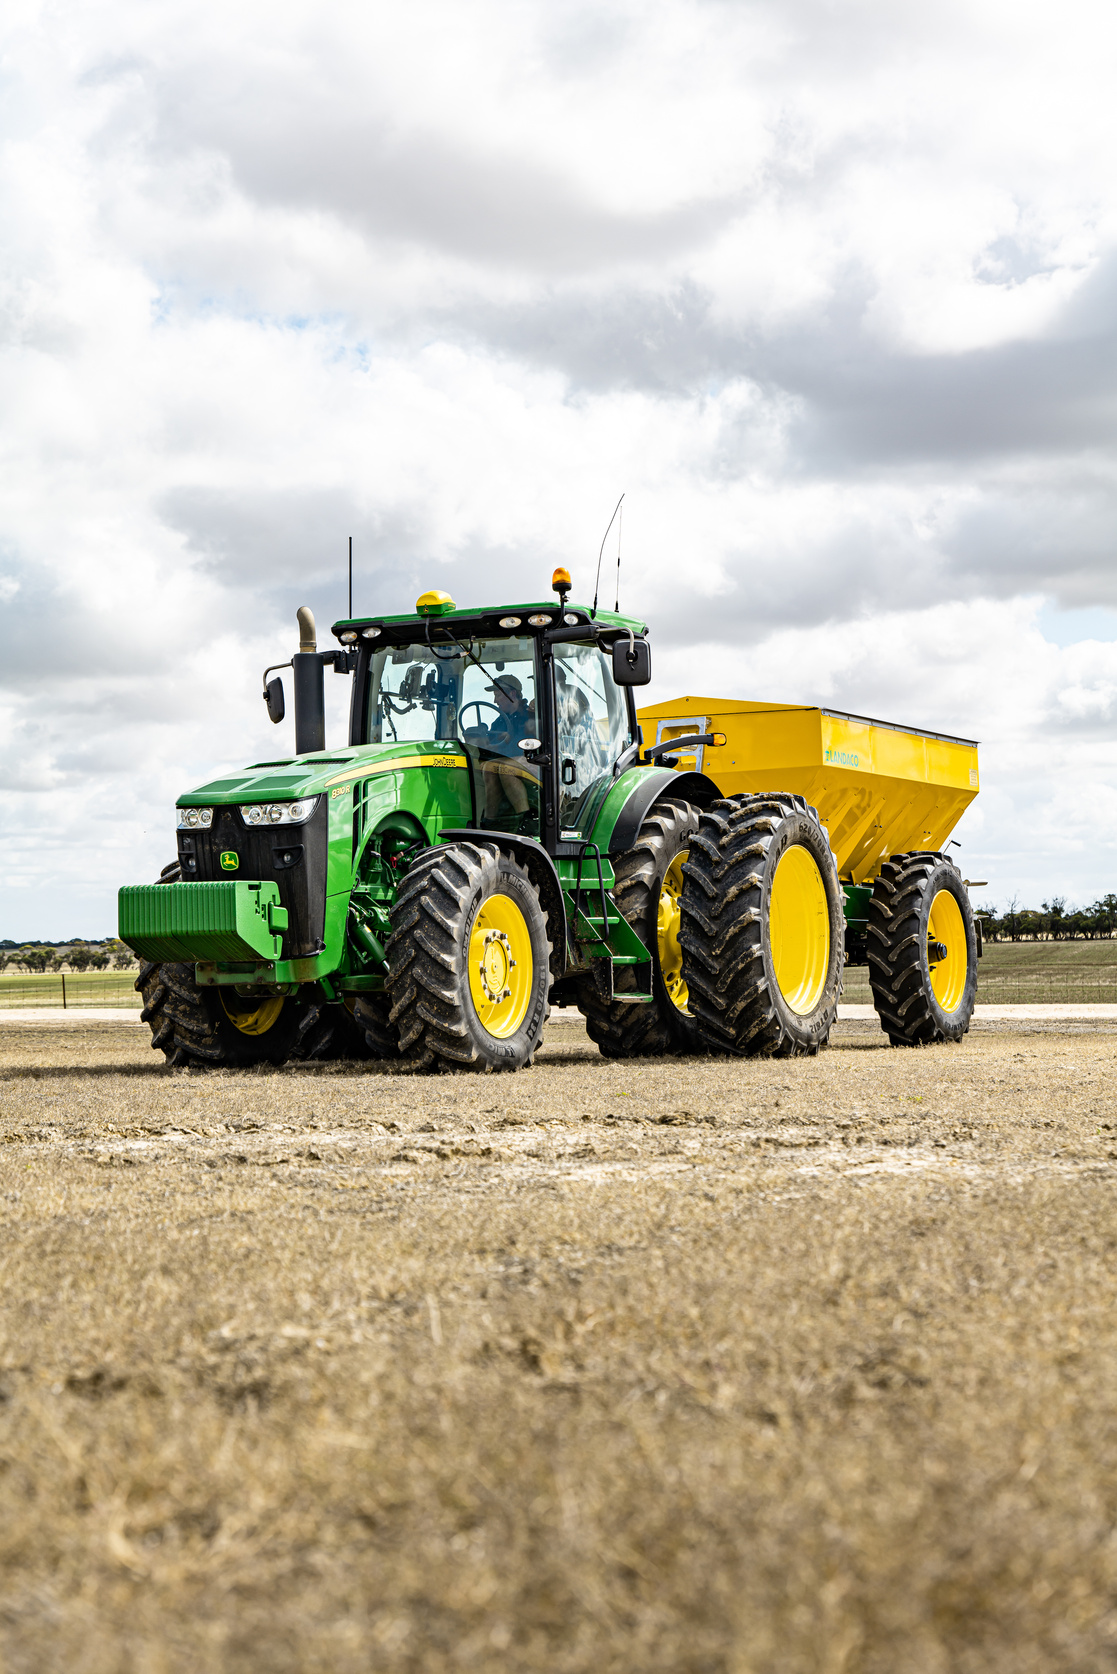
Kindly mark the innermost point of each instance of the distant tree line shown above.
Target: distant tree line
(1051, 922)
(40, 958)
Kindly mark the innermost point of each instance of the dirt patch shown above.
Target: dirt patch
(686, 1365)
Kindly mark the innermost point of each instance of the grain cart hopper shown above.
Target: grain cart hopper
(493, 837)
(889, 797)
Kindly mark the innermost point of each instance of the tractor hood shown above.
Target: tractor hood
(325, 771)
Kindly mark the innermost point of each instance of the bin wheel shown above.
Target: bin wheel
(922, 943)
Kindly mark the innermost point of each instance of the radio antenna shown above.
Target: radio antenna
(620, 526)
(604, 538)
(350, 578)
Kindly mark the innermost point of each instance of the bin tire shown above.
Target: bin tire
(920, 903)
(648, 878)
(468, 939)
(763, 928)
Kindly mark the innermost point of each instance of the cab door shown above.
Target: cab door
(592, 729)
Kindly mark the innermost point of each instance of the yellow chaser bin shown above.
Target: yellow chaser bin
(880, 789)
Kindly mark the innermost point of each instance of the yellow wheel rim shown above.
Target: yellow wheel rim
(668, 919)
(799, 929)
(252, 1019)
(501, 967)
(948, 976)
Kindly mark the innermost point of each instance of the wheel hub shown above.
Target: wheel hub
(947, 951)
(501, 965)
(495, 966)
(251, 1017)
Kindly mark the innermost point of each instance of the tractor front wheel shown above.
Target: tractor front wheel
(468, 961)
(922, 950)
(763, 928)
(218, 1028)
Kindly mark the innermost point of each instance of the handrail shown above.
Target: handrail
(586, 846)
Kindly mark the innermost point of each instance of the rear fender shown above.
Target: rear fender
(697, 788)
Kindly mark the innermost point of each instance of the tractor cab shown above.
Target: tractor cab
(537, 699)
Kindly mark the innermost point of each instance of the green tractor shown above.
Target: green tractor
(493, 839)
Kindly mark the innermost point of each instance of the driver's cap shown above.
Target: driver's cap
(506, 683)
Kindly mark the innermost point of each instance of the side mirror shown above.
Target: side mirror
(273, 697)
(632, 661)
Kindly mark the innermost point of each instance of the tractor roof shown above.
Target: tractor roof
(487, 619)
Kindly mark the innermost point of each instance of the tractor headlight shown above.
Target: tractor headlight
(278, 813)
(195, 819)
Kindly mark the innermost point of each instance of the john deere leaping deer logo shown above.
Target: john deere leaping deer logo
(230, 860)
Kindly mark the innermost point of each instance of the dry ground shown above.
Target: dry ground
(763, 1368)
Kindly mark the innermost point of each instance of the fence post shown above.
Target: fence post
(63, 991)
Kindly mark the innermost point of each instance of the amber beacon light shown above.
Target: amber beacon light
(560, 583)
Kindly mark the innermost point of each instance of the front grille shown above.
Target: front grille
(291, 856)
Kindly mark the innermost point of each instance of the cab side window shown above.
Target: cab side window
(593, 729)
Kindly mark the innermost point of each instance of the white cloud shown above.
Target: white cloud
(827, 291)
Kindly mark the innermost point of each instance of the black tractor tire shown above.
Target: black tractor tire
(328, 1032)
(445, 929)
(730, 962)
(921, 906)
(371, 1016)
(192, 1027)
(629, 1029)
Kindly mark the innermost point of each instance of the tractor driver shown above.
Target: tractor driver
(506, 777)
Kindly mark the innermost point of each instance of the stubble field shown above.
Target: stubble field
(738, 1367)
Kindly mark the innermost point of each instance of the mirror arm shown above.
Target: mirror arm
(671, 745)
(272, 670)
(604, 632)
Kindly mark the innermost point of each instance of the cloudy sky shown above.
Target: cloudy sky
(828, 289)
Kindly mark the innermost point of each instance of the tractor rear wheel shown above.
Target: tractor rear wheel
(468, 961)
(649, 882)
(763, 928)
(922, 950)
(217, 1027)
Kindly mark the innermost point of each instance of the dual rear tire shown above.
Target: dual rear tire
(763, 928)
(649, 882)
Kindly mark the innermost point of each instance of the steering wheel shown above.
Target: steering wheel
(478, 704)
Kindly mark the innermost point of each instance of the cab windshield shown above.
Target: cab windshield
(481, 696)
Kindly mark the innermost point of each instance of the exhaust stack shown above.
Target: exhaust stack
(307, 631)
(310, 694)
